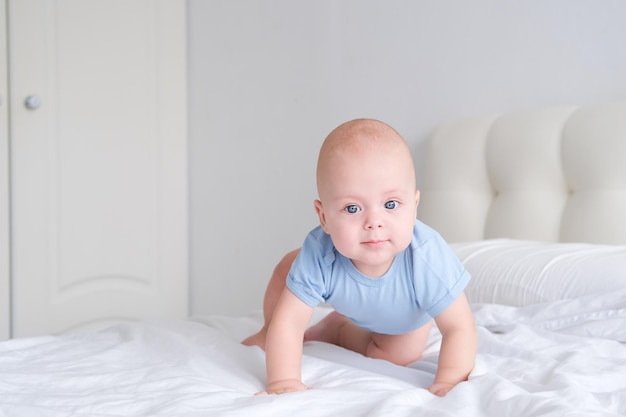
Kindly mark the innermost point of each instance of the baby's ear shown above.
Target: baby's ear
(417, 200)
(320, 213)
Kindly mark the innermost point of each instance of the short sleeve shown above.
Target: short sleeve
(440, 276)
(308, 273)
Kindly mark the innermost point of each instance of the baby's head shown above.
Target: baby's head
(367, 197)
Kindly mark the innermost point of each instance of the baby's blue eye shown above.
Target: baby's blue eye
(352, 208)
(390, 205)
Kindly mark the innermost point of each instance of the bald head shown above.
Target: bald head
(362, 138)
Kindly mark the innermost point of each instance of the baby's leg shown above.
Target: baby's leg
(272, 293)
(400, 349)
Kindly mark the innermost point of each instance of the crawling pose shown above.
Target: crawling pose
(386, 274)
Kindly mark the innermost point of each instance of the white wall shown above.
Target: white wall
(269, 79)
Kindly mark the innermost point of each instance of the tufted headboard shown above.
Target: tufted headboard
(552, 174)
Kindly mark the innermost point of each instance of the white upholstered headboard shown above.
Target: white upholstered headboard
(553, 174)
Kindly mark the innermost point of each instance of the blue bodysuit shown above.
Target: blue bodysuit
(422, 281)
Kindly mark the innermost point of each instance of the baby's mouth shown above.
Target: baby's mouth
(375, 243)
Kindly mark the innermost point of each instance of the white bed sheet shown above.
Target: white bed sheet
(556, 359)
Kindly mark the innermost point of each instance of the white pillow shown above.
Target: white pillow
(517, 272)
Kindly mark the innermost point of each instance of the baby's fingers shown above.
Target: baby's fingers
(440, 389)
(282, 388)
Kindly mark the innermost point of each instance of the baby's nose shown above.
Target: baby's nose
(373, 221)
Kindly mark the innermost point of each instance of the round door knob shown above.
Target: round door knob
(32, 102)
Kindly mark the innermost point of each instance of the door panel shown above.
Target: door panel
(99, 166)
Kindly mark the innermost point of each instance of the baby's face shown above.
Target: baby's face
(368, 204)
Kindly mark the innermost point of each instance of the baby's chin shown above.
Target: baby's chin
(374, 266)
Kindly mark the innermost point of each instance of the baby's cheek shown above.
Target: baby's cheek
(404, 239)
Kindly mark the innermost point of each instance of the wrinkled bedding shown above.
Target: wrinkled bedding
(554, 359)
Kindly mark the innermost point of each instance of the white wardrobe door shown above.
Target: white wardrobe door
(99, 190)
(5, 303)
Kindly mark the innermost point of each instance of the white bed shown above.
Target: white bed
(533, 204)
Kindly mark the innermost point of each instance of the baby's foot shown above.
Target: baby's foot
(257, 339)
(327, 330)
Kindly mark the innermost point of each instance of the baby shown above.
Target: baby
(386, 274)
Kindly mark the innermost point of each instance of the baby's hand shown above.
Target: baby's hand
(282, 387)
(440, 389)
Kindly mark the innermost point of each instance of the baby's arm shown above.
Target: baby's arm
(458, 346)
(283, 349)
